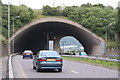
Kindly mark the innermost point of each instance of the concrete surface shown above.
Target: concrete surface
(3, 67)
(23, 69)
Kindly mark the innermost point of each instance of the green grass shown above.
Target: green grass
(107, 64)
(42, 16)
(39, 15)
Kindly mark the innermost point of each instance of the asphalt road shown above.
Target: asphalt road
(23, 69)
(3, 67)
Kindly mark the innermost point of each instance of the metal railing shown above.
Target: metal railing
(93, 58)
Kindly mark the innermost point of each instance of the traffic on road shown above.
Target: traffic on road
(23, 68)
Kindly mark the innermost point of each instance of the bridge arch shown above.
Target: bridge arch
(36, 34)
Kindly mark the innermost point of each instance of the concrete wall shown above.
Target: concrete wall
(4, 51)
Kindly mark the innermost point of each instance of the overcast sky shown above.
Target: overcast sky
(37, 4)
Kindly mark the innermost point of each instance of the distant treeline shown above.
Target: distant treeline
(20, 14)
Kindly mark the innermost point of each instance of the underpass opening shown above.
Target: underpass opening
(70, 45)
(36, 36)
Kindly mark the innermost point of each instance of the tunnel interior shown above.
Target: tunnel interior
(36, 36)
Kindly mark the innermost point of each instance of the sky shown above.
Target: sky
(38, 4)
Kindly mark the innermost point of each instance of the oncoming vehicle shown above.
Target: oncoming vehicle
(28, 53)
(47, 60)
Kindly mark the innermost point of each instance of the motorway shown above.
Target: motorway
(22, 68)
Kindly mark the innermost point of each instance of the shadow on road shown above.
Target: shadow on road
(49, 71)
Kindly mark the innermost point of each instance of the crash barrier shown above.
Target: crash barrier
(93, 58)
(109, 56)
(67, 53)
(106, 55)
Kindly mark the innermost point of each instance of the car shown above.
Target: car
(46, 59)
(27, 53)
(83, 54)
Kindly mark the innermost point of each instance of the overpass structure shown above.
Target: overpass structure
(36, 36)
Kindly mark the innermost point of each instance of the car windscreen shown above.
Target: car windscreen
(50, 54)
(27, 51)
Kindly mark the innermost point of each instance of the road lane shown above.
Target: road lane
(74, 71)
(23, 69)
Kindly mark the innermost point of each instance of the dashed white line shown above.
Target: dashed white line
(75, 71)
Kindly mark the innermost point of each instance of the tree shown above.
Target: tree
(46, 10)
(4, 20)
(99, 5)
(117, 28)
(95, 18)
(66, 12)
(51, 11)
(25, 16)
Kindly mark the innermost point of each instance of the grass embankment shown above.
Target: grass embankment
(39, 15)
(107, 64)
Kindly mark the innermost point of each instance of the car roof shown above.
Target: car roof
(27, 50)
(47, 51)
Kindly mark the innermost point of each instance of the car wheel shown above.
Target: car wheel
(31, 57)
(37, 68)
(59, 70)
(34, 67)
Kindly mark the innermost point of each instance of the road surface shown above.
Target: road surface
(23, 69)
(3, 67)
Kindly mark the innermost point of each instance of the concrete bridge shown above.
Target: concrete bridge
(36, 35)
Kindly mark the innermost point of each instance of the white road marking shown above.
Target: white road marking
(75, 71)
